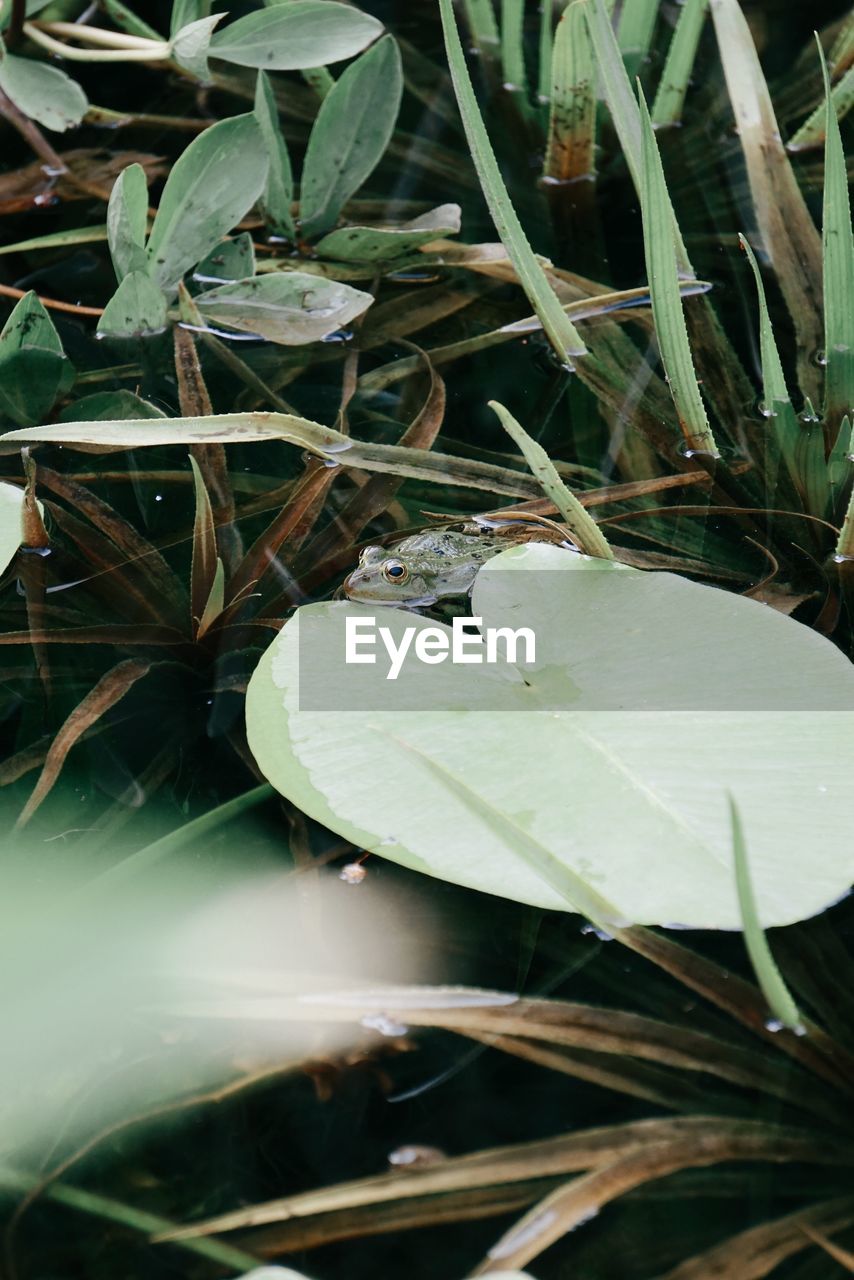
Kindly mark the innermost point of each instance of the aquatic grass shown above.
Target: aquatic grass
(771, 983)
(570, 150)
(512, 46)
(679, 64)
(623, 107)
(661, 265)
(561, 332)
(787, 233)
(480, 16)
(838, 265)
(635, 31)
(582, 526)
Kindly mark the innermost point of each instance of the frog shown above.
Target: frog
(436, 565)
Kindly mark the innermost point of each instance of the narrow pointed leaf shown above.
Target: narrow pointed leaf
(279, 190)
(127, 216)
(673, 84)
(559, 329)
(661, 269)
(587, 533)
(838, 260)
(350, 135)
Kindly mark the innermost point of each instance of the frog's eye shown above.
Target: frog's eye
(395, 571)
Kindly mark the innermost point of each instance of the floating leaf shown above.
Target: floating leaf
(380, 244)
(213, 184)
(351, 132)
(597, 773)
(136, 309)
(290, 307)
(45, 94)
(127, 218)
(279, 191)
(34, 369)
(11, 515)
(191, 45)
(289, 37)
(232, 259)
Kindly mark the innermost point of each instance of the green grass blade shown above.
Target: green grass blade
(787, 233)
(768, 976)
(660, 249)
(839, 462)
(512, 47)
(572, 120)
(590, 538)
(838, 261)
(623, 106)
(783, 426)
(812, 131)
(544, 66)
(560, 331)
(480, 17)
(673, 85)
(634, 35)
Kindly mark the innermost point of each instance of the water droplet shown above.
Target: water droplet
(775, 1025)
(158, 497)
(35, 551)
(385, 1025)
(415, 1157)
(340, 335)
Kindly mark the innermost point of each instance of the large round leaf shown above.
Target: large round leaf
(11, 504)
(595, 777)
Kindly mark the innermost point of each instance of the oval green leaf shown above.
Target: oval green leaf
(127, 216)
(596, 777)
(45, 94)
(290, 37)
(213, 184)
(11, 507)
(351, 132)
(291, 308)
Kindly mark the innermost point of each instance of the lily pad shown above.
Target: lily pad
(291, 308)
(595, 777)
(11, 505)
(379, 244)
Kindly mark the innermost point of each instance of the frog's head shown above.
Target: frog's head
(384, 577)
